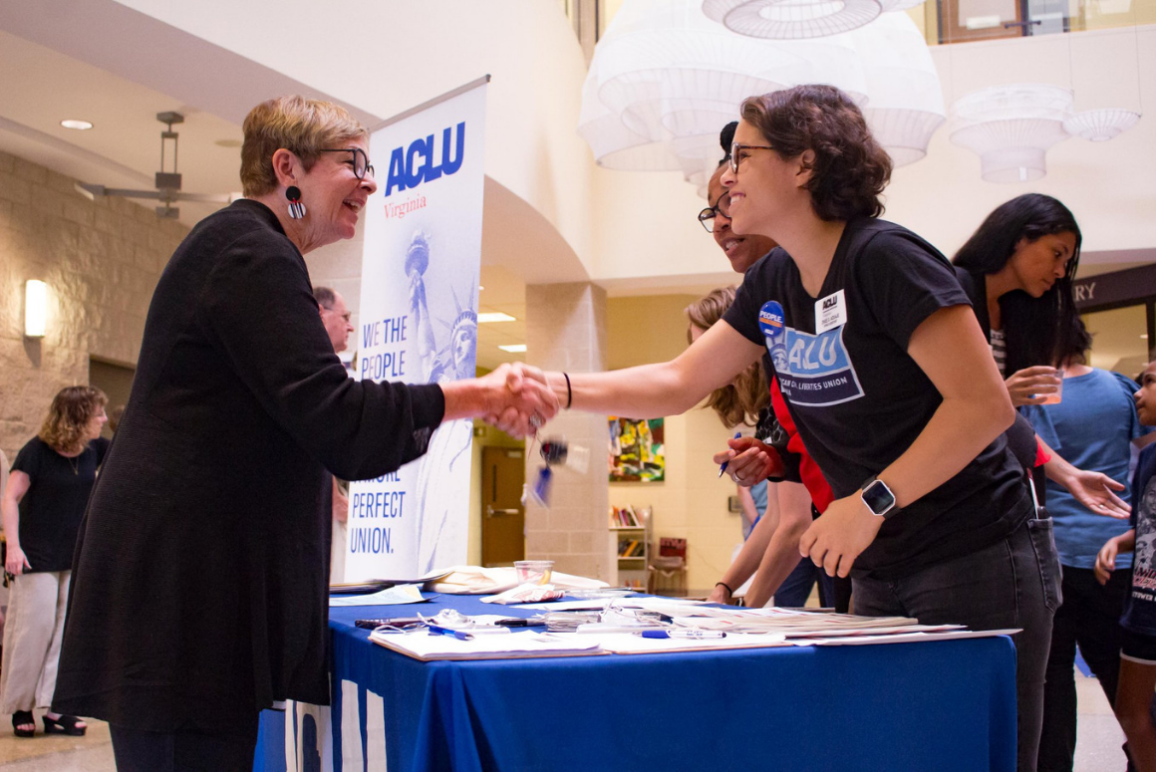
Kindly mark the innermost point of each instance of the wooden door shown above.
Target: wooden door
(503, 516)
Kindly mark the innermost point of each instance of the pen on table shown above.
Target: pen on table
(723, 467)
(516, 622)
(681, 633)
(461, 635)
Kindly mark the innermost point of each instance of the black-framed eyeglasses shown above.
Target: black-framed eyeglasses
(736, 148)
(706, 216)
(361, 164)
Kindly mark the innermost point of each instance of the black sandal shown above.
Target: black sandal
(23, 718)
(65, 725)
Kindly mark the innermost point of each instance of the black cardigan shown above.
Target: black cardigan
(200, 582)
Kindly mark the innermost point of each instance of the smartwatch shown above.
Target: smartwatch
(878, 497)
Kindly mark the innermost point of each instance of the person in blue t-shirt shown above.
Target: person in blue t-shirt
(1094, 428)
(1137, 678)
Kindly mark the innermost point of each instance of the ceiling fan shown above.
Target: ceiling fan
(168, 183)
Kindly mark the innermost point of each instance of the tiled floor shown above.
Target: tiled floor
(55, 752)
(1097, 750)
(1099, 739)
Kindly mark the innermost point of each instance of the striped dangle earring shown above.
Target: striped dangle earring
(296, 208)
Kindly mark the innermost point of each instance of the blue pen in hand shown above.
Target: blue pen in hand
(723, 467)
(461, 635)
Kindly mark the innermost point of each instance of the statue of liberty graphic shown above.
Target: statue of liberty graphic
(443, 482)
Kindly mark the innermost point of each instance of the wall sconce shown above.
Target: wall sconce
(35, 308)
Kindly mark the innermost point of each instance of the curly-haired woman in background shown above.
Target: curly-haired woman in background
(42, 507)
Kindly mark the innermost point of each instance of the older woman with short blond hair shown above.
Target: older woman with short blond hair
(200, 586)
(42, 507)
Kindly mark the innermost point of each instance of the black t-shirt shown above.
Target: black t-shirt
(51, 510)
(859, 401)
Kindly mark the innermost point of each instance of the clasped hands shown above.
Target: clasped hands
(750, 461)
(518, 400)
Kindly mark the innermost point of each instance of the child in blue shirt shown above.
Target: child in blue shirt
(1138, 651)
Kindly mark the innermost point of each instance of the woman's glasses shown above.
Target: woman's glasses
(706, 216)
(361, 164)
(736, 154)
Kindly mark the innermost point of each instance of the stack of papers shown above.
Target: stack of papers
(391, 596)
(425, 647)
(527, 644)
(475, 580)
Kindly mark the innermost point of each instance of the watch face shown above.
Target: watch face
(879, 498)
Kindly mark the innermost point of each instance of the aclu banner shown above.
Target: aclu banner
(418, 324)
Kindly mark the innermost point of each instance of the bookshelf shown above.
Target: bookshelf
(630, 539)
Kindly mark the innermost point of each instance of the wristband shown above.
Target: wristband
(569, 393)
(727, 587)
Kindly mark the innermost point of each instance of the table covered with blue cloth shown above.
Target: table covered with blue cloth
(947, 705)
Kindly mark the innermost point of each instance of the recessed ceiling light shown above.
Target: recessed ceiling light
(516, 348)
(71, 123)
(1144, 336)
(480, 289)
(495, 316)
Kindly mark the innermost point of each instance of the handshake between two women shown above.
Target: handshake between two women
(515, 398)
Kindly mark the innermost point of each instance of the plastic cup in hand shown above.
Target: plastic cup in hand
(1055, 397)
(534, 571)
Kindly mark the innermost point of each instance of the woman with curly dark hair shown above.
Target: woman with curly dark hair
(42, 507)
(888, 378)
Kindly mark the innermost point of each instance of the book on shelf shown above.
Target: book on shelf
(625, 517)
(630, 548)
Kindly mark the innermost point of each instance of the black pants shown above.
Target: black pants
(140, 751)
(1089, 616)
(1013, 583)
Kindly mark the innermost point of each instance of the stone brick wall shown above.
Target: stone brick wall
(566, 330)
(101, 260)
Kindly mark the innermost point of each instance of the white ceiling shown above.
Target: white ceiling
(123, 149)
(57, 61)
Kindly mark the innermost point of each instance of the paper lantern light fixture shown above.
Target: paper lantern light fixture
(792, 19)
(1011, 128)
(1102, 124)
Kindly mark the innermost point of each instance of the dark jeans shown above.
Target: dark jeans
(1090, 617)
(140, 751)
(1014, 583)
(796, 588)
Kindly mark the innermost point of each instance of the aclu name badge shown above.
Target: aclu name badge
(830, 312)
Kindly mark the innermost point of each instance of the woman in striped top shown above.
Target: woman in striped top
(1018, 268)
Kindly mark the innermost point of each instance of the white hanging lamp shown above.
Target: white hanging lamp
(833, 60)
(669, 72)
(903, 133)
(791, 19)
(1011, 128)
(1102, 124)
(664, 80)
(614, 145)
(905, 105)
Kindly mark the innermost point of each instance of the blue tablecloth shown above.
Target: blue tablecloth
(932, 706)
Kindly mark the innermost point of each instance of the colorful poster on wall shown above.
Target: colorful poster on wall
(636, 450)
(421, 264)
